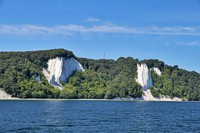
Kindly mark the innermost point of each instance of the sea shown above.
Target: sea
(85, 116)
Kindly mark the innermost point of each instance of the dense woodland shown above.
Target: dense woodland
(102, 78)
(18, 72)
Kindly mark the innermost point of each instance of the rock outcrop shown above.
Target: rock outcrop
(145, 80)
(4, 95)
(147, 96)
(144, 76)
(157, 70)
(60, 69)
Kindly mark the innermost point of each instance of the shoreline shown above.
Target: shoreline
(114, 100)
(6, 97)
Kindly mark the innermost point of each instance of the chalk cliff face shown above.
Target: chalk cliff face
(147, 96)
(145, 80)
(144, 76)
(60, 69)
(157, 70)
(4, 95)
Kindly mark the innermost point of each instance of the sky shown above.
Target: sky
(168, 30)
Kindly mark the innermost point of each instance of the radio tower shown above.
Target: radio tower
(104, 55)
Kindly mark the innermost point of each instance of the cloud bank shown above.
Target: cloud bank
(27, 30)
(192, 43)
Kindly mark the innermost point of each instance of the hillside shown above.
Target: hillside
(60, 74)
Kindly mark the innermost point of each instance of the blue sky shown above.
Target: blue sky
(166, 30)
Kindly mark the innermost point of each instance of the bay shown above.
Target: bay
(43, 116)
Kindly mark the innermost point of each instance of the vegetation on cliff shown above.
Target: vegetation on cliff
(101, 79)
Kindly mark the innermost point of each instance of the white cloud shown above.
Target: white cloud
(184, 43)
(92, 20)
(193, 43)
(26, 30)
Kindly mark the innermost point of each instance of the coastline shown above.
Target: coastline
(6, 97)
(114, 100)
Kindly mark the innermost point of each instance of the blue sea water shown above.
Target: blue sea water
(98, 116)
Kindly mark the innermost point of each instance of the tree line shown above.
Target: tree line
(102, 79)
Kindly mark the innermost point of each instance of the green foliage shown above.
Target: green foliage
(155, 92)
(18, 72)
(107, 79)
(102, 78)
(176, 82)
(154, 63)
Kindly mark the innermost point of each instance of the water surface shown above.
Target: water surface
(99, 116)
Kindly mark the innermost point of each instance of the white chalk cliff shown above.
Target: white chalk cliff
(4, 95)
(157, 70)
(60, 69)
(144, 76)
(145, 80)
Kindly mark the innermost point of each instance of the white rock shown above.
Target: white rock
(144, 76)
(4, 95)
(147, 96)
(60, 69)
(167, 98)
(157, 70)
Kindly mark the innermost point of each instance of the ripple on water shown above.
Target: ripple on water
(99, 116)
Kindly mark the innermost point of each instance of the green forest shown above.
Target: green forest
(102, 79)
